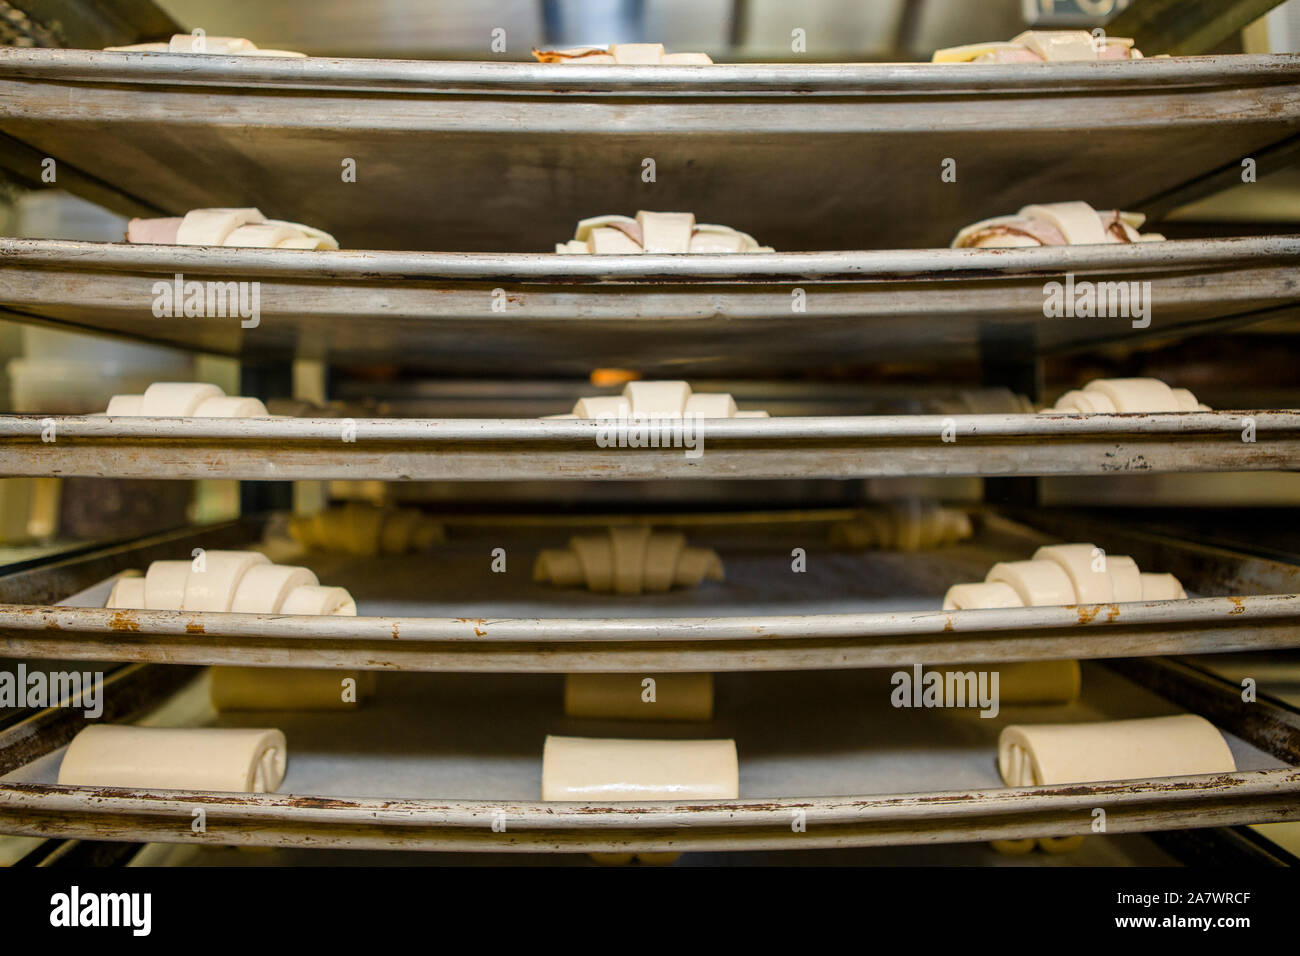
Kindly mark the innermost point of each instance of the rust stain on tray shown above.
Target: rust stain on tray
(124, 621)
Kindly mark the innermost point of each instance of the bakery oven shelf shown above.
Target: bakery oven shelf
(447, 611)
(834, 149)
(863, 773)
(401, 450)
(674, 316)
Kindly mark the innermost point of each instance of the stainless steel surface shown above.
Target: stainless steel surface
(862, 772)
(674, 315)
(508, 156)
(528, 449)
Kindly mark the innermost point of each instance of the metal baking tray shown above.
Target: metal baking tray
(445, 610)
(435, 760)
(483, 156)
(519, 314)
(404, 450)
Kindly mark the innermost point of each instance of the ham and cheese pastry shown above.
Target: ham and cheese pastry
(1110, 396)
(1055, 224)
(655, 232)
(659, 400)
(185, 399)
(628, 560)
(1044, 46)
(237, 228)
(907, 525)
(623, 54)
(202, 43)
(219, 759)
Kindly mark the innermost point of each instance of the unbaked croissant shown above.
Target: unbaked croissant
(628, 560)
(907, 525)
(366, 530)
(671, 399)
(1120, 395)
(655, 232)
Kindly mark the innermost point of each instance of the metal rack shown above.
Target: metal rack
(153, 134)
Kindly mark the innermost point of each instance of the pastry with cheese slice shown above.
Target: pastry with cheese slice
(1044, 46)
(655, 232)
(199, 43)
(628, 560)
(1055, 224)
(623, 54)
(230, 227)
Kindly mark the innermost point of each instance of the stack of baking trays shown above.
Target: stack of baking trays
(750, 675)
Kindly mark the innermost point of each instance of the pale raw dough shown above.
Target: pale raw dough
(1038, 682)
(181, 399)
(1125, 577)
(161, 758)
(1055, 224)
(611, 770)
(1036, 582)
(623, 54)
(984, 594)
(264, 588)
(1043, 46)
(1091, 586)
(319, 600)
(655, 232)
(284, 688)
(1162, 587)
(622, 697)
(126, 593)
(213, 588)
(628, 560)
(1044, 754)
(908, 524)
(668, 399)
(366, 530)
(1127, 396)
(164, 585)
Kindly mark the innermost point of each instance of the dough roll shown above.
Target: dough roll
(284, 688)
(1034, 755)
(1038, 682)
(611, 770)
(622, 696)
(182, 758)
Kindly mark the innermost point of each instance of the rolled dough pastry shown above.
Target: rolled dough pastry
(628, 561)
(164, 585)
(1136, 394)
(213, 588)
(629, 550)
(1042, 754)
(264, 588)
(176, 399)
(231, 406)
(124, 405)
(1038, 682)
(163, 758)
(284, 688)
(1162, 587)
(211, 227)
(319, 600)
(985, 594)
(126, 593)
(612, 770)
(1036, 582)
(1125, 577)
(622, 696)
(1091, 585)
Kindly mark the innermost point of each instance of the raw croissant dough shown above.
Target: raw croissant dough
(1043, 46)
(612, 770)
(1055, 224)
(1064, 574)
(1031, 755)
(906, 525)
(1108, 396)
(623, 697)
(623, 54)
(185, 399)
(188, 758)
(655, 232)
(366, 530)
(652, 400)
(197, 43)
(287, 688)
(628, 560)
(246, 228)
